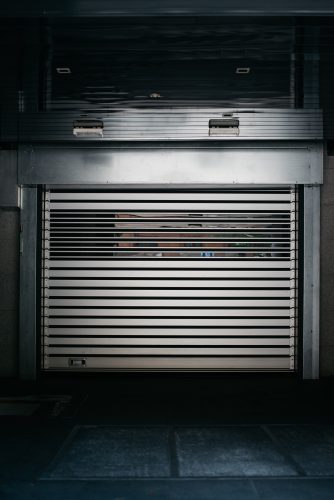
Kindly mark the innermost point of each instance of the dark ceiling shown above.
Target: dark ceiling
(194, 61)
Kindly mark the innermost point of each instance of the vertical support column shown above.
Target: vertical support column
(28, 285)
(311, 282)
(311, 313)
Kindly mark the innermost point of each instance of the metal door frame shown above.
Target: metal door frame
(311, 282)
(30, 178)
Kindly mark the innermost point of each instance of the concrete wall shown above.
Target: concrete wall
(327, 271)
(9, 263)
(9, 291)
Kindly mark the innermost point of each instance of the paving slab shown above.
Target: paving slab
(111, 451)
(229, 451)
(312, 446)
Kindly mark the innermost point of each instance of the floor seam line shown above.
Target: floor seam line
(281, 448)
(173, 456)
(254, 488)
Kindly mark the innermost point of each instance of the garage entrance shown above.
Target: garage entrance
(183, 280)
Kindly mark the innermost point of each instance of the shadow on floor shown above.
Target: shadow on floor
(144, 436)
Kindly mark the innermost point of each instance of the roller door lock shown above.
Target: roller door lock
(77, 362)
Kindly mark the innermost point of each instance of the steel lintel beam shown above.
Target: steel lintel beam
(243, 163)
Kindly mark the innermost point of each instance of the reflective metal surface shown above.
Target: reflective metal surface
(172, 164)
(311, 289)
(179, 124)
(28, 285)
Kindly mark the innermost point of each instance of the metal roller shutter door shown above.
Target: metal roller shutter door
(169, 280)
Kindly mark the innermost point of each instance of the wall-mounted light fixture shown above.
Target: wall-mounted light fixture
(224, 126)
(88, 128)
(242, 71)
(63, 71)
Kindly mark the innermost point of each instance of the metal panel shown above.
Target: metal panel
(205, 342)
(85, 333)
(201, 280)
(166, 274)
(214, 292)
(311, 292)
(178, 124)
(171, 303)
(191, 363)
(197, 165)
(266, 264)
(28, 285)
(167, 283)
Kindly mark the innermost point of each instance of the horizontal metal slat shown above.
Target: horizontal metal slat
(169, 283)
(82, 217)
(177, 255)
(220, 251)
(145, 273)
(150, 312)
(212, 232)
(167, 196)
(181, 252)
(198, 207)
(128, 264)
(171, 293)
(170, 351)
(178, 322)
(216, 342)
(175, 363)
(89, 332)
(140, 302)
(175, 239)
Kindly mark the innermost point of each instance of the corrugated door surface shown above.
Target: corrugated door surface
(169, 280)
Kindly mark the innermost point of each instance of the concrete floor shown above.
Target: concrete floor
(159, 436)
